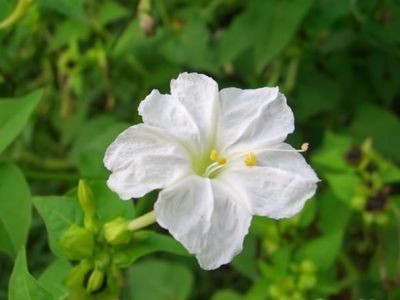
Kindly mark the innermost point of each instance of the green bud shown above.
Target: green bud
(358, 202)
(77, 242)
(117, 232)
(121, 259)
(86, 199)
(78, 273)
(308, 267)
(96, 281)
(306, 282)
(142, 235)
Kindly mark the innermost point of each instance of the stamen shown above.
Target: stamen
(304, 147)
(221, 160)
(250, 160)
(214, 155)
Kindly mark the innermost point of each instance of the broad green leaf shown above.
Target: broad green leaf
(58, 213)
(15, 209)
(266, 27)
(23, 285)
(52, 278)
(343, 185)
(153, 242)
(312, 99)
(333, 214)
(323, 250)
(159, 280)
(182, 49)
(14, 114)
(70, 8)
(227, 294)
(381, 125)
(111, 11)
(92, 153)
(278, 23)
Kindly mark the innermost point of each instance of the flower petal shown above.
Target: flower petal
(252, 119)
(206, 217)
(188, 114)
(277, 187)
(144, 158)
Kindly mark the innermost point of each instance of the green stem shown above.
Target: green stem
(143, 221)
(18, 12)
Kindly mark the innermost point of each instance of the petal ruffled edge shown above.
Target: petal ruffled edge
(144, 158)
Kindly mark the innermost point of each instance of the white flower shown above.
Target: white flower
(218, 157)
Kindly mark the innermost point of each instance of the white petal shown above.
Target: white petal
(277, 187)
(252, 119)
(206, 217)
(188, 114)
(144, 158)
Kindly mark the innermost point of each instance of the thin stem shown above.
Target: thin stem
(19, 10)
(143, 221)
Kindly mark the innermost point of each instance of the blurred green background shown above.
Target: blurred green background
(337, 61)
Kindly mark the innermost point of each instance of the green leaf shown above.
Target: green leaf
(111, 11)
(15, 209)
(267, 27)
(52, 278)
(379, 124)
(92, 153)
(323, 250)
(330, 210)
(159, 280)
(226, 294)
(278, 23)
(343, 185)
(23, 285)
(58, 213)
(70, 8)
(153, 242)
(312, 99)
(182, 49)
(14, 114)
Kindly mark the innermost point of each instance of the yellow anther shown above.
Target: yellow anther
(214, 155)
(221, 160)
(250, 160)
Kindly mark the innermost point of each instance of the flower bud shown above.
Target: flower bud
(77, 242)
(96, 281)
(308, 267)
(307, 282)
(86, 199)
(117, 232)
(121, 259)
(142, 235)
(78, 273)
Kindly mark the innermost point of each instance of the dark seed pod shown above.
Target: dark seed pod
(353, 156)
(377, 201)
(371, 167)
